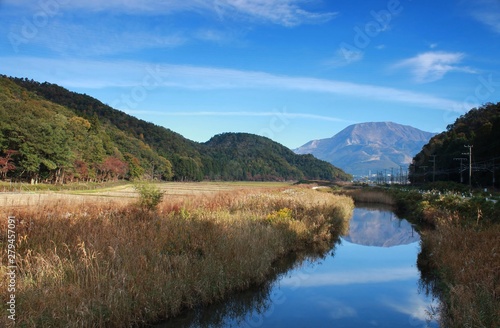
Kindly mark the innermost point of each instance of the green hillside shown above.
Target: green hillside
(50, 134)
(480, 128)
(245, 156)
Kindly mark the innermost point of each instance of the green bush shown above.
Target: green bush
(150, 196)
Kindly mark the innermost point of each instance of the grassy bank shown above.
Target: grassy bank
(460, 257)
(367, 196)
(97, 265)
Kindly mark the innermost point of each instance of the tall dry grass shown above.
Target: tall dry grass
(95, 265)
(459, 259)
(370, 196)
(467, 262)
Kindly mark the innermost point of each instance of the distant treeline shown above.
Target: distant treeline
(50, 134)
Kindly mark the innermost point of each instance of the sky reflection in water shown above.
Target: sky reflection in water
(358, 286)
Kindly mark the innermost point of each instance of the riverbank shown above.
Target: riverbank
(460, 255)
(96, 265)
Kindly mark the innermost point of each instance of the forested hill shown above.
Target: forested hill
(479, 128)
(50, 134)
(247, 156)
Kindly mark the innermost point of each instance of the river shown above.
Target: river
(368, 279)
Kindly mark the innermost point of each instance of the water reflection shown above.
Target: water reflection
(358, 286)
(378, 226)
(248, 308)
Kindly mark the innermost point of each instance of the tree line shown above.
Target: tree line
(50, 134)
(467, 152)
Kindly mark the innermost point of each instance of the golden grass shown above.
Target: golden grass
(98, 265)
(467, 261)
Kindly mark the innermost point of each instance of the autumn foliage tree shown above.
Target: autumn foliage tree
(113, 169)
(6, 163)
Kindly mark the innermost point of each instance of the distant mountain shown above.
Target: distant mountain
(369, 147)
(50, 134)
(379, 228)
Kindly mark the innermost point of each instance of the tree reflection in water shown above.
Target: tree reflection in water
(248, 308)
(369, 279)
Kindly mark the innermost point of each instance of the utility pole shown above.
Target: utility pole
(424, 167)
(433, 160)
(461, 159)
(470, 164)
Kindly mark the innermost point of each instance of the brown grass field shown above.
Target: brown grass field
(97, 259)
(126, 193)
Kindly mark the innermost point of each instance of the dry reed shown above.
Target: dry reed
(467, 262)
(95, 265)
(370, 196)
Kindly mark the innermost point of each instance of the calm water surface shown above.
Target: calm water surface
(369, 279)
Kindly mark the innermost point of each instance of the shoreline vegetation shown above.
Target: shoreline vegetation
(122, 263)
(96, 264)
(460, 256)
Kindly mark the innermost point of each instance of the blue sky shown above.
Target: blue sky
(291, 70)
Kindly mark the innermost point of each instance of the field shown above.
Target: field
(122, 194)
(98, 259)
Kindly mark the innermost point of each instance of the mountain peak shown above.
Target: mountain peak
(371, 146)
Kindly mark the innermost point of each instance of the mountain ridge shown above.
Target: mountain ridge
(370, 146)
(51, 134)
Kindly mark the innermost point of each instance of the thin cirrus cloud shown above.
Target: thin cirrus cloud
(351, 278)
(434, 65)
(413, 306)
(487, 12)
(103, 74)
(344, 57)
(282, 12)
(284, 115)
(75, 39)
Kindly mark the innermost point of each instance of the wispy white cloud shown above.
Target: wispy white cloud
(350, 278)
(344, 57)
(434, 65)
(282, 12)
(212, 35)
(415, 307)
(487, 12)
(68, 36)
(335, 309)
(243, 114)
(130, 74)
(90, 36)
(71, 39)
